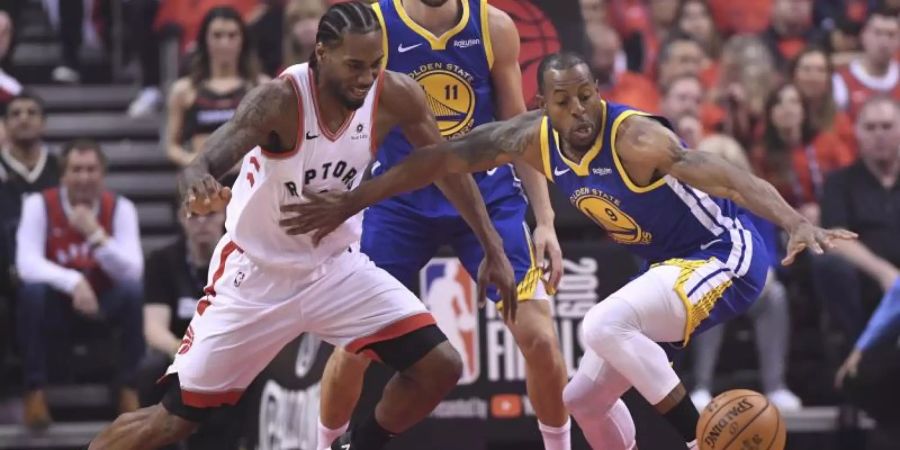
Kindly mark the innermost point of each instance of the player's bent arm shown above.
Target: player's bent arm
(267, 116)
(485, 147)
(506, 76)
(646, 140)
(404, 103)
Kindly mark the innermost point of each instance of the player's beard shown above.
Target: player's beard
(341, 94)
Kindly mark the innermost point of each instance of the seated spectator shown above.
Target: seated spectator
(25, 166)
(877, 69)
(695, 19)
(865, 198)
(644, 25)
(301, 22)
(747, 74)
(770, 313)
(689, 129)
(174, 279)
(145, 40)
(224, 68)
(791, 29)
(681, 97)
(620, 86)
(680, 55)
(9, 86)
(793, 157)
(813, 75)
(79, 252)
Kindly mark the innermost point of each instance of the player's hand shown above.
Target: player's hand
(84, 300)
(848, 368)
(84, 220)
(203, 194)
(807, 235)
(547, 244)
(496, 270)
(321, 214)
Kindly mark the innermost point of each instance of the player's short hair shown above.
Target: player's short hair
(557, 61)
(346, 17)
(81, 145)
(29, 96)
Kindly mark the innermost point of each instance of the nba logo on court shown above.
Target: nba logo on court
(449, 292)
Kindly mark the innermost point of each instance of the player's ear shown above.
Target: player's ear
(319, 51)
(541, 102)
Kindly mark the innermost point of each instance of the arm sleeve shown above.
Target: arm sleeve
(121, 256)
(885, 319)
(31, 239)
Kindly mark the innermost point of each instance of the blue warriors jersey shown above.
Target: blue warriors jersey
(454, 70)
(665, 220)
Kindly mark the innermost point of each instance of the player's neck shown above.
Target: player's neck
(571, 152)
(331, 109)
(27, 153)
(437, 20)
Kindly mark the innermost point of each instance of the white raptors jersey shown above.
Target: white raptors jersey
(322, 161)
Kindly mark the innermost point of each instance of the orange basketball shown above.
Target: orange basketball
(741, 420)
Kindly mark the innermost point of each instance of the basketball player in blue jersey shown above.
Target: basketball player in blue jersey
(464, 54)
(675, 208)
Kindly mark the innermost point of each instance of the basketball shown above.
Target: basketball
(741, 420)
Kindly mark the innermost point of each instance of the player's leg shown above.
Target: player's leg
(705, 353)
(593, 398)
(534, 331)
(341, 387)
(771, 320)
(371, 313)
(401, 245)
(229, 341)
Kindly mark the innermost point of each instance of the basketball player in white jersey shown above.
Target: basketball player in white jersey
(312, 130)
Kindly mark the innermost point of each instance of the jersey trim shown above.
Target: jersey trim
(331, 136)
(581, 168)
(632, 186)
(376, 7)
(373, 141)
(486, 34)
(437, 42)
(545, 148)
(300, 125)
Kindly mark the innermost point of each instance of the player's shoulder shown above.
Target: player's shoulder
(397, 88)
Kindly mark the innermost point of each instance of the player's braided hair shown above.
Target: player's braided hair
(557, 61)
(346, 17)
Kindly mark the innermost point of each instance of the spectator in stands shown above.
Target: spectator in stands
(26, 165)
(681, 97)
(747, 75)
(71, 36)
(145, 41)
(794, 157)
(877, 70)
(694, 18)
(770, 314)
(689, 129)
(616, 83)
(223, 69)
(301, 21)
(174, 279)
(813, 74)
(678, 56)
(791, 29)
(734, 17)
(9, 86)
(865, 198)
(643, 25)
(79, 251)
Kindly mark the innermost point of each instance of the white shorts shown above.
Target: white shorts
(250, 313)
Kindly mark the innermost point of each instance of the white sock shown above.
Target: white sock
(692, 445)
(557, 438)
(326, 435)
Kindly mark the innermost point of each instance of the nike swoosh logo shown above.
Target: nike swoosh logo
(558, 172)
(402, 49)
(309, 138)
(709, 244)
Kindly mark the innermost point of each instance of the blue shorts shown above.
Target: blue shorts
(402, 242)
(716, 283)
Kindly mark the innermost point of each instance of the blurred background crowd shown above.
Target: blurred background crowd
(104, 100)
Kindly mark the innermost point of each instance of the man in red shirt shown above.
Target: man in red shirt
(877, 70)
(78, 252)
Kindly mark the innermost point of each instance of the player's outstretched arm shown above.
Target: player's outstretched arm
(647, 142)
(267, 116)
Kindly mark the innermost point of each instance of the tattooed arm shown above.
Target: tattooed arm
(485, 147)
(267, 116)
(651, 149)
